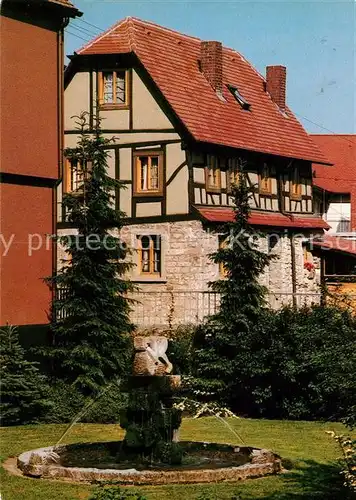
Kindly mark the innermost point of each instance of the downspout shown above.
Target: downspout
(60, 125)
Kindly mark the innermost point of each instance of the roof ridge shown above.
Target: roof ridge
(333, 135)
(131, 20)
(131, 33)
(104, 33)
(195, 38)
(164, 28)
(282, 135)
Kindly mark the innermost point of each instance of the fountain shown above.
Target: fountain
(150, 421)
(150, 452)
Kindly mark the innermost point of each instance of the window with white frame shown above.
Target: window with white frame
(148, 174)
(113, 88)
(232, 174)
(213, 174)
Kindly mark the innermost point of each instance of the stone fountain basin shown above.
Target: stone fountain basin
(202, 463)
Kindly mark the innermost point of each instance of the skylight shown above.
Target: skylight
(239, 98)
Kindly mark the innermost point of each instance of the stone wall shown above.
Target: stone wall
(180, 294)
(185, 249)
(280, 272)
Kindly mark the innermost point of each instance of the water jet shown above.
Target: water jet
(151, 452)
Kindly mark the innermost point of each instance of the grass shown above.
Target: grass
(309, 454)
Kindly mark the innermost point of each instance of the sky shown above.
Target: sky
(316, 40)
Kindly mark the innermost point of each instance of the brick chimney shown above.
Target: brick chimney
(211, 64)
(276, 84)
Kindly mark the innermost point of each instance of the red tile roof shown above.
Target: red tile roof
(171, 59)
(337, 244)
(275, 219)
(341, 149)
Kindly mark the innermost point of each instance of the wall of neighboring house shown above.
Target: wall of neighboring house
(335, 208)
(31, 68)
(338, 214)
(27, 215)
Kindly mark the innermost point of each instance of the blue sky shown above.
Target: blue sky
(316, 41)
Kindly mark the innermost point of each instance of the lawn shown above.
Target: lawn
(310, 455)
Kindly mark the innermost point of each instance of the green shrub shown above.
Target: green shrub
(180, 348)
(68, 403)
(348, 447)
(312, 359)
(297, 364)
(24, 392)
(350, 418)
(115, 493)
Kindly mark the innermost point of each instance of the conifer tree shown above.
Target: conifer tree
(242, 295)
(24, 396)
(91, 326)
(224, 340)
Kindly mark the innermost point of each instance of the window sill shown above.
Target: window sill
(212, 190)
(153, 194)
(148, 279)
(109, 107)
(295, 197)
(77, 192)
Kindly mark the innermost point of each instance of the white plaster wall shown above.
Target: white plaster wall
(76, 99)
(115, 119)
(111, 163)
(125, 163)
(337, 211)
(146, 112)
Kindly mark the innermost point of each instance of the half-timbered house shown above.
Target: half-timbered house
(187, 114)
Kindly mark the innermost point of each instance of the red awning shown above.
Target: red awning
(337, 244)
(274, 219)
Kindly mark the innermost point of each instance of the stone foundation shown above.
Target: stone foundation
(180, 293)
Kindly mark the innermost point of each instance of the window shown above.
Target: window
(273, 244)
(148, 173)
(295, 185)
(149, 253)
(308, 256)
(343, 226)
(223, 243)
(265, 180)
(239, 98)
(318, 207)
(73, 176)
(213, 174)
(113, 88)
(232, 174)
